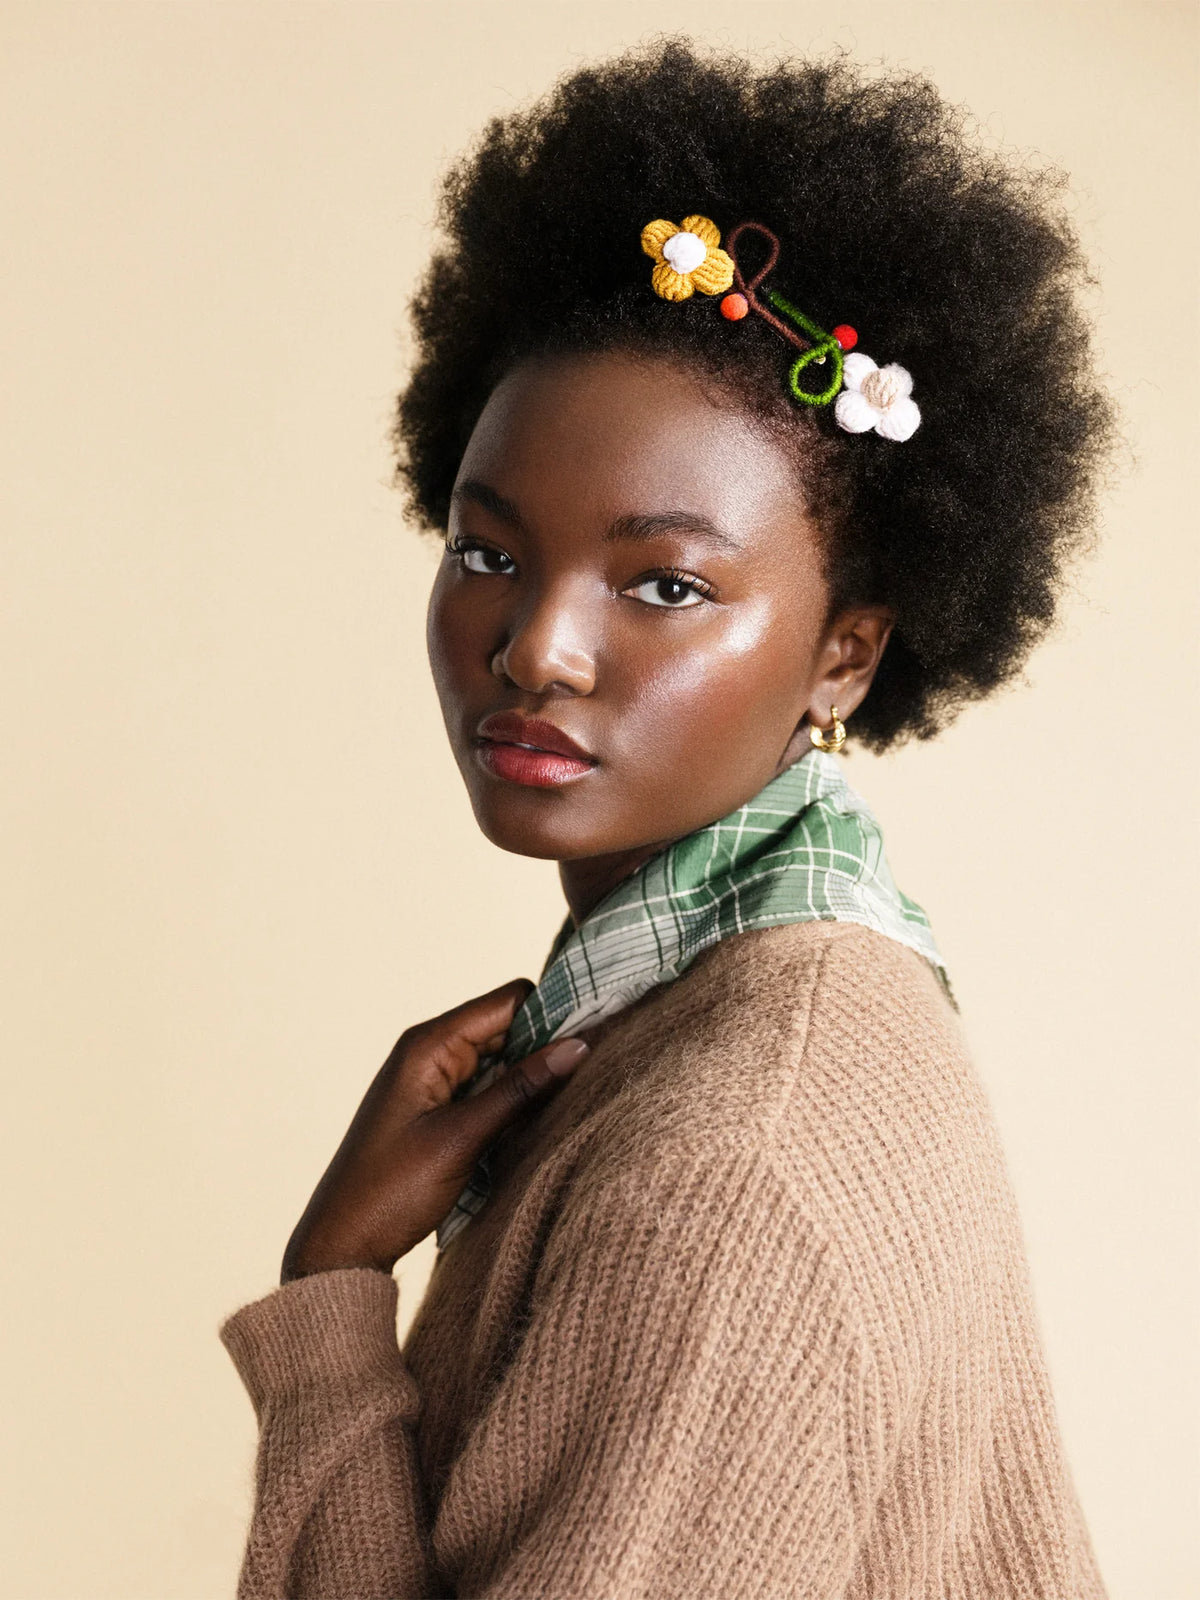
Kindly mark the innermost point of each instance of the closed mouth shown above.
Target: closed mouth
(531, 733)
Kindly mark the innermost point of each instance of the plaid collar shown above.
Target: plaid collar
(806, 848)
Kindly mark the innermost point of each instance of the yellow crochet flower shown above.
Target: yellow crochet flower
(687, 258)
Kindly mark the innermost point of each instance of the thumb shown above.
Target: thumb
(481, 1117)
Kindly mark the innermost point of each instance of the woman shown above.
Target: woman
(731, 1296)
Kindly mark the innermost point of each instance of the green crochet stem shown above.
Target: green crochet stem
(824, 344)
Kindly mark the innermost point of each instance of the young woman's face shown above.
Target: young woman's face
(627, 561)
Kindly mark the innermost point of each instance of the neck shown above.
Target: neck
(585, 883)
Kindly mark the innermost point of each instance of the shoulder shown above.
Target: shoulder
(829, 1056)
(772, 1020)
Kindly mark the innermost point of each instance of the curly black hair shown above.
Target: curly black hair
(952, 262)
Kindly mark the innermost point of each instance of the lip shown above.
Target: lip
(529, 751)
(510, 727)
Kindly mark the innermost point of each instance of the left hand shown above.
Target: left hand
(410, 1149)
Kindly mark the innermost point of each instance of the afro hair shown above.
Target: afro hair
(950, 261)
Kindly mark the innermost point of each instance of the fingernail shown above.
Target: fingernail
(565, 1055)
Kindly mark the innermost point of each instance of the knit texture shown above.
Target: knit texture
(806, 848)
(747, 1317)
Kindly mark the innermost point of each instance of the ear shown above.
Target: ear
(848, 660)
(845, 664)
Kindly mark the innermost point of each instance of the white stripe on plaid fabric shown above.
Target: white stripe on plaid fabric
(805, 848)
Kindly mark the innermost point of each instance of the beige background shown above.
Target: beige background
(237, 859)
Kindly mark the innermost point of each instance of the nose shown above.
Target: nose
(546, 648)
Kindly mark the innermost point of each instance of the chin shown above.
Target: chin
(530, 827)
(545, 825)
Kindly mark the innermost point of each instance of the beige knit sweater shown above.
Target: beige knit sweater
(746, 1317)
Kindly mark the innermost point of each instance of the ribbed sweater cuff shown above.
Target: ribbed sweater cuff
(330, 1327)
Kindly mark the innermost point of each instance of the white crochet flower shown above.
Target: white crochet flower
(876, 397)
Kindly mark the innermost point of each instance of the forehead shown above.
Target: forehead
(610, 433)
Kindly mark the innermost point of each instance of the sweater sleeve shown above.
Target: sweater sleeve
(338, 1512)
(683, 1416)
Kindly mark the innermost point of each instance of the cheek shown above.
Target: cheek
(730, 677)
(450, 634)
(435, 627)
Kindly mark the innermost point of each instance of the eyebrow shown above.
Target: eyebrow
(637, 526)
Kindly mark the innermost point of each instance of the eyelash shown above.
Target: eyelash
(699, 585)
(457, 549)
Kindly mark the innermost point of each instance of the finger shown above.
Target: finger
(481, 1117)
(437, 1057)
(487, 1015)
(482, 1019)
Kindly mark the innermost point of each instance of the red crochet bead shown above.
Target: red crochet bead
(735, 307)
(845, 336)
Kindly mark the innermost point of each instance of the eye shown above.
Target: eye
(481, 558)
(676, 590)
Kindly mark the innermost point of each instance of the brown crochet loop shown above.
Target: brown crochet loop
(747, 288)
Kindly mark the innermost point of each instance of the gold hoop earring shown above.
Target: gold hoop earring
(833, 745)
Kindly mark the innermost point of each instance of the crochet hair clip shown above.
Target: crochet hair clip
(864, 395)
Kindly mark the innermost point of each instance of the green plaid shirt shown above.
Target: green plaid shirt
(806, 848)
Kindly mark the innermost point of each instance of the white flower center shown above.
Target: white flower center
(685, 251)
(882, 389)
